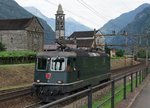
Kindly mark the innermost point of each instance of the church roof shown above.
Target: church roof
(15, 24)
(60, 10)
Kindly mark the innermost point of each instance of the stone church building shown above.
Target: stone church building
(25, 34)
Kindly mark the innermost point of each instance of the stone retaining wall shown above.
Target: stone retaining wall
(120, 63)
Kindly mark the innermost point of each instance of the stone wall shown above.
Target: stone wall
(35, 41)
(120, 63)
(22, 40)
(35, 36)
(14, 40)
(29, 39)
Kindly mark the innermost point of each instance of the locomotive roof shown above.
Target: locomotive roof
(57, 53)
(72, 53)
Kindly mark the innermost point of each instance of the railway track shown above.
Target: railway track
(35, 105)
(10, 94)
(118, 72)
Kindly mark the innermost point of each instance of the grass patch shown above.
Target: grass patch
(118, 97)
(145, 85)
(14, 87)
(17, 65)
(17, 53)
(118, 57)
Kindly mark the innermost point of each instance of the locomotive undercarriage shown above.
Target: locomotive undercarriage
(47, 93)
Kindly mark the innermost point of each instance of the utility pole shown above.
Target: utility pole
(147, 49)
(94, 38)
(125, 49)
(138, 42)
(138, 39)
(133, 54)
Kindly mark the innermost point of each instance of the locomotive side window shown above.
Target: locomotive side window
(57, 64)
(71, 64)
(41, 63)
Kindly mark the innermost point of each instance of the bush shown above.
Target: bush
(2, 47)
(142, 53)
(119, 53)
(17, 53)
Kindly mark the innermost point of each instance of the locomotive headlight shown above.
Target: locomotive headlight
(59, 82)
(38, 81)
(48, 59)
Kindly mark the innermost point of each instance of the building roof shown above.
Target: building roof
(85, 43)
(15, 24)
(82, 34)
(60, 10)
(67, 42)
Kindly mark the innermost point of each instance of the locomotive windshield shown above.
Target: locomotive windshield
(57, 64)
(41, 63)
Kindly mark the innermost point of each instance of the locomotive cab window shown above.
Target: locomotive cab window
(57, 64)
(41, 63)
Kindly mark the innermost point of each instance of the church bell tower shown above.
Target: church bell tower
(60, 23)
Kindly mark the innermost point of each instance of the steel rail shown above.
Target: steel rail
(14, 94)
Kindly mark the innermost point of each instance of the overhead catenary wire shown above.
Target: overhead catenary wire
(74, 14)
(96, 12)
(90, 8)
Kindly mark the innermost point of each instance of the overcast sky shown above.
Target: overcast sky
(101, 10)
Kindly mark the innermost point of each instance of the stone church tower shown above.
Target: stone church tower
(60, 23)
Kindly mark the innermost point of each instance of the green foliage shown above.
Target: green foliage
(119, 53)
(15, 87)
(117, 57)
(17, 53)
(118, 97)
(142, 53)
(2, 47)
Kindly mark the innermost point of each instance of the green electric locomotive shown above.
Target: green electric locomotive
(58, 73)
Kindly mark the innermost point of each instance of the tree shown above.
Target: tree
(2, 47)
(142, 53)
(119, 53)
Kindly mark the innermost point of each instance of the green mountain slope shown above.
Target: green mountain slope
(10, 9)
(118, 23)
(140, 24)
